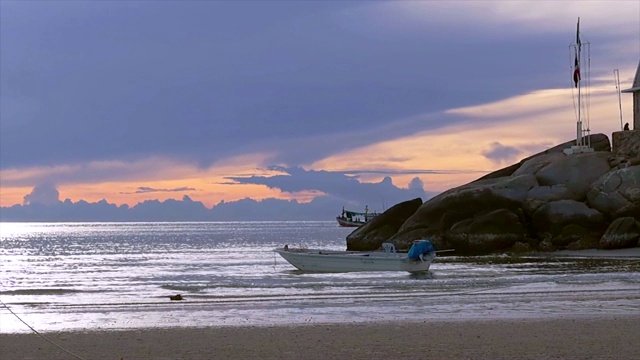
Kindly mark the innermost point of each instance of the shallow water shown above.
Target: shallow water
(89, 276)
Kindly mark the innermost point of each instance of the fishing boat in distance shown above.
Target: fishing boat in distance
(417, 260)
(354, 219)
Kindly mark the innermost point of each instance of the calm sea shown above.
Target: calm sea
(92, 276)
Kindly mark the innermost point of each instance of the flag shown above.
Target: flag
(576, 66)
(576, 72)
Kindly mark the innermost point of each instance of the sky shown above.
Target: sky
(221, 101)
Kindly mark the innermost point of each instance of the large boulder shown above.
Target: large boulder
(622, 233)
(535, 164)
(382, 227)
(551, 193)
(617, 193)
(496, 230)
(576, 172)
(565, 221)
(626, 143)
(599, 142)
(458, 207)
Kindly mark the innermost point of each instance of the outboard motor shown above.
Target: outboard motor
(420, 248)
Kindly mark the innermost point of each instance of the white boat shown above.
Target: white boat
(417, 260)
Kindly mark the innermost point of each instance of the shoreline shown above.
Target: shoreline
(597, 337)
(599, 253)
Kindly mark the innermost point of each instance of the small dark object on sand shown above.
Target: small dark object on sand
(176, 297)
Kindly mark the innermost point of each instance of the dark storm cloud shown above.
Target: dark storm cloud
(337, 185)
(87, 81)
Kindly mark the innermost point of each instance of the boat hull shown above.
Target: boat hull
(348, 223)
(313, 260)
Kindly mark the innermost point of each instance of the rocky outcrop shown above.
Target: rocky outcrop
(599, 142)
(547, 201)
(379, 229)
(617, 193)
(448, 217)
(498, 229)
(576, 172)
(626, 143)
(565, 221)
(622, 233)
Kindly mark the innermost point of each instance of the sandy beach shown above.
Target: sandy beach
(571, 338)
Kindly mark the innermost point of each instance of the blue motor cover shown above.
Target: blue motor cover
(420, 247)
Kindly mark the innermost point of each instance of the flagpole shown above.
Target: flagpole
(583, 142)
(579, 129)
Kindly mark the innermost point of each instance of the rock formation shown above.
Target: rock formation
(377, 230)
(547, 201)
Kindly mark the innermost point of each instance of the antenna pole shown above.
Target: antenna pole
(616, 76)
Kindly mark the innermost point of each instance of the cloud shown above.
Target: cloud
(179, 93)
(416, 185)
(336, 184)
(407, 172)
(99, 171)
(43, 194)
(502, 154)
(520, 17)
(298, 89)
(146, 189)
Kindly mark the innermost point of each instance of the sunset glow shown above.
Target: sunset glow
(360, 90)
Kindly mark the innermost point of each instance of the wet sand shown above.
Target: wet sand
(602, 337)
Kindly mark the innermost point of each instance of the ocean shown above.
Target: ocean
(99, 276)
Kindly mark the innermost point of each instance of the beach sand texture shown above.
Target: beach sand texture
(602, 337)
